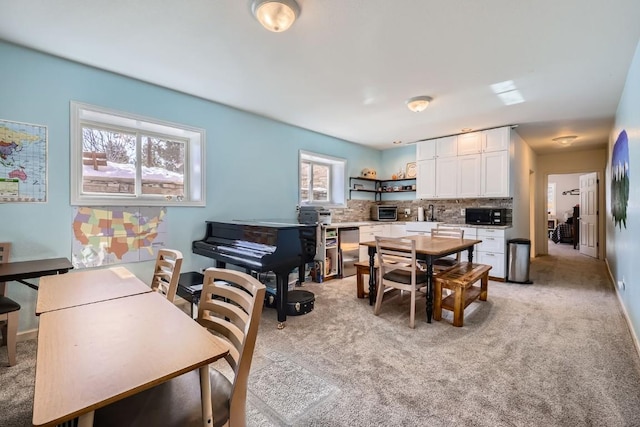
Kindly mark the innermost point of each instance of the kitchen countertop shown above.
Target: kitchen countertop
(365, 223)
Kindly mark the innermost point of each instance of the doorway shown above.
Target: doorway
(572, 212)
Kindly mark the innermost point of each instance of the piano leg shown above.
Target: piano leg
(282, 289)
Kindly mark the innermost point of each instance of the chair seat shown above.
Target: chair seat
(405, 277)
(173, 403)
(7, 305)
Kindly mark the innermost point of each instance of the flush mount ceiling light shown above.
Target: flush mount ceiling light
(565, 140)
(275, 15)
(418, 103)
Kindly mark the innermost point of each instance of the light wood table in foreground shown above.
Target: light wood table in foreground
(86, 287)
(92, 355)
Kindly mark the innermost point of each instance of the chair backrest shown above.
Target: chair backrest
(5, 250)
(446, 231)
(166, 273)
(450, 233)
(396, 253)
(230, 306)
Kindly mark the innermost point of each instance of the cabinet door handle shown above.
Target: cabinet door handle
(488, 254)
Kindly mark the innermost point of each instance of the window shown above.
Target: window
(119, 159)
(322, 180)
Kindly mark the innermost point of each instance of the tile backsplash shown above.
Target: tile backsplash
(446, 210)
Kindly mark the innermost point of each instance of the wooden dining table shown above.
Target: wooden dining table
(428, 249)
(97, 353)
(87, 287)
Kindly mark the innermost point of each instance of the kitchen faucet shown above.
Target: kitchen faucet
(432, 215)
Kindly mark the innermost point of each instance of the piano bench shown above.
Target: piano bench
(189, 288)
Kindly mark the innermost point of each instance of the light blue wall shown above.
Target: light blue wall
(623, 244)
(395, 160)
(252, 162)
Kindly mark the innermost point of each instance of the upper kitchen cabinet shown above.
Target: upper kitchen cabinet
(470, 143)
(425, 150)
(479, 169)
(496, 139)
(439, 147)
(495, 174)
(447, 146)
(426, 179)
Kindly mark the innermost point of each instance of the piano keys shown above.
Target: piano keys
(261, 247)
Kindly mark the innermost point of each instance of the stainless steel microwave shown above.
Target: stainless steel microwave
(384, 213)
(486, 216)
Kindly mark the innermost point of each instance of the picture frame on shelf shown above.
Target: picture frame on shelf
(411, 170)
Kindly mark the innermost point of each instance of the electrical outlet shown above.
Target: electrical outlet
(462, 211)
(407, 212)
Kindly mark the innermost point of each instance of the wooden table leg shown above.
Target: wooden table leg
(205, 395)
(429, 289)
(372, 275)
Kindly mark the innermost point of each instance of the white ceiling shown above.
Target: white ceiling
(346, 67)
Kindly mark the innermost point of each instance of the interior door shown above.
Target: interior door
(589, 214)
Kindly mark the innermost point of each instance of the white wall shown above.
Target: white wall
(523, 169)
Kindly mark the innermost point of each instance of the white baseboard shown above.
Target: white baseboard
(27, 335)
(634, 336)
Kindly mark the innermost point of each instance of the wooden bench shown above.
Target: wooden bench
(362, 268)
(460, 280)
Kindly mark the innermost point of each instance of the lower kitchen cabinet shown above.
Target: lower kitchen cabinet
(492, 251)
(368, 233)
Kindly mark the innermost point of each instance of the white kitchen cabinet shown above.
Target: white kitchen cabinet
(368, 233)
(447, 177)
(469, 165)
(426, 179)
(397, 230)
(447, 146)
(492, 250)
(496, 139)
(421, 228)
(425, 150)
(495, 174)
(469, 170)
(470, 143)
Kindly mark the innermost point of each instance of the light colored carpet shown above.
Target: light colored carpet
(554, 353)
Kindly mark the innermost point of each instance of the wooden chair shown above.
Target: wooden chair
(444, 264)
(167, 273)
(398, 268)
(9, 311)
(230, 307)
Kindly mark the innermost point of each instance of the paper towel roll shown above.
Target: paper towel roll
(420, 214)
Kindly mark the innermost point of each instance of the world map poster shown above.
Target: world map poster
(114, 235)
(23, 162)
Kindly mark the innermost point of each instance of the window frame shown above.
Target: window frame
(336, 182)
(194, 178)
(551, 200)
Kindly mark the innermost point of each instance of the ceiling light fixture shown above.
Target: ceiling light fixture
(418, 103)
(275, 15)
(397, 142)
(565, 140)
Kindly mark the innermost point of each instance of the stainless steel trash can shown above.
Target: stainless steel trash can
(518, 254)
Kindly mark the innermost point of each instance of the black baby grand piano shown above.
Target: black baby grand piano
(261, 246)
